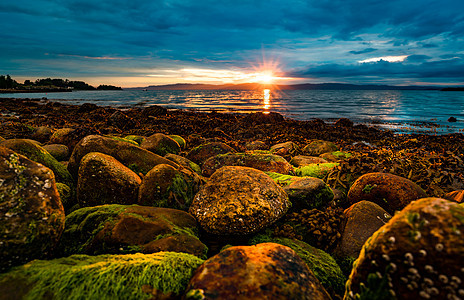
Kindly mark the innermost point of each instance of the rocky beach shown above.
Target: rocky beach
(155, 203)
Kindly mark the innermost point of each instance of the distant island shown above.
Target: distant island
(304, 86)
(9, 85)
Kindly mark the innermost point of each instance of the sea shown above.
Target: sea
(403, 111)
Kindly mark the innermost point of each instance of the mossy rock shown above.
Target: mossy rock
(66, 195)
(286, 149)
(282, 179)
(134, 157)
(104, 180)
(38, 154)
(31, 213)
(117, 138)
(304, 160)
(123, 229)
(262, 162)
(136, 138)
(58, 151)
(335, 156)
(319, 147)
(160, 144)
(418, 254)
(184, 162)
(324, 266)
(132, 276)
(315, 170)
(308, 193)
(180, 140)
(201, 153)
(165, 186)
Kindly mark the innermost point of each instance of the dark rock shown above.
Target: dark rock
(184, 162)
(343, 122)
(308, 192)
(286, 149)
(389, 191)
(303, 160)
(417, 254)
(31, 213)
(42, 134)
(201, 153)
(452, 119)
(112, 229)
(256, 145)
(104, 180)
(122, 121)
(238, 200)
(264, 271)
(154, 111)
(58, 151)
(318, 147)
(362, 219)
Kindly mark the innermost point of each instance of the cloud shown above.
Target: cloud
(364, 51)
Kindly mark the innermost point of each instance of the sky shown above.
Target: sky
(132, 43)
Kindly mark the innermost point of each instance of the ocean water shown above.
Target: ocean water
(402, 111)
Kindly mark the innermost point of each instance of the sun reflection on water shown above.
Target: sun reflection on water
(267, 100)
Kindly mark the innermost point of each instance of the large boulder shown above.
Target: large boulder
(304, 160)
(42, 134)
(319, 170)
(238, 200)
(418, 254)
(362, 219)
(390, 191)
(104, 180)
(286, 149)
(58, 151)
(35, 152)
(324, 266)
(184, 162)
(166, 186)
(135, 158)
(113, 229)
(160, 144)
(162, 275)
(201, 153)
(264, 271)
(319, 147)
(263, 162)
(31, 213)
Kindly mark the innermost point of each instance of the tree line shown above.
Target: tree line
(6, 82)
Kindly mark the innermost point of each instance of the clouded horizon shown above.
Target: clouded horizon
(140, 43)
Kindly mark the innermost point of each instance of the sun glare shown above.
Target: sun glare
(266, 77)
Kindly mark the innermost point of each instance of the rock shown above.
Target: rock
(318, 147)
(362, 219)
(160, 144)
(315, 170)
(154, 111)
(31, 213)
(38, 154)
(58, 151)
(335, 156)
(389, 191)
(1, 139)
(256, 145)
(180, 140)
(452, 119)
(417, 254)
(286, 149)
(42, 134)
(113, 229)
(263, 162)
(308, 192)
(238, 200)
(343, 122)
(135, 158)
(264, 271)
(456, 196)
(162, 275)
(166, 186)
(104, 180)
(304, 160)
(323, 266)
(201, 153)
(136, 138)
(117, 138)
(61, 136)
(184, 162)
(122, 121)
(66, 195)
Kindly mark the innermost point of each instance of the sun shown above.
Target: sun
(264, 77)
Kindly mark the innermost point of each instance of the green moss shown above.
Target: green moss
(196, 168)
(319, 262)
(417, 223)
(346, 264)
(116, 138)
(137, 169)
(315, 170)
(136, 138)
(104, 276)
(368, 188)
(281, 179)
(341, 154)
(65, 194)
(196, 294)
(180, 140)
(375, 288)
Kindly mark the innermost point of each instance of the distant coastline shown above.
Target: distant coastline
(256, 86)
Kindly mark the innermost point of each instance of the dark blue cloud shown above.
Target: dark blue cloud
(68, 37)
